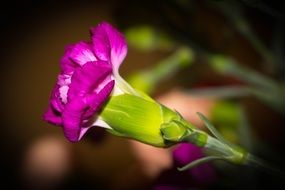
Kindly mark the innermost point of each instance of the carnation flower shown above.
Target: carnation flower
(86, 79)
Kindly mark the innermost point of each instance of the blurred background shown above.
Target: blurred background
(222, 58)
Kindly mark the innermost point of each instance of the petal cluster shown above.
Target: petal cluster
(86, 80)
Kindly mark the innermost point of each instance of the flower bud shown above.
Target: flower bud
(173, 131)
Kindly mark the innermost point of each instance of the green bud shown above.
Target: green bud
(178, 131)
(173, 131)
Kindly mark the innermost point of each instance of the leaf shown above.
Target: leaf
(213, 130)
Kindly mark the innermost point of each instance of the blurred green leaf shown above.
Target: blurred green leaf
(148, 79)
(146, 38)
(264, 88)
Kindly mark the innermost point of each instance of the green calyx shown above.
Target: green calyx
(134, 117)
(177, 131)
(173, 131)
(143, 119)
(221, 149)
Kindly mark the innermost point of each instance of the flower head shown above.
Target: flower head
(86, 80)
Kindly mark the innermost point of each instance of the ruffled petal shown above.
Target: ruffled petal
(83, 100)
(87, 78)
(96, 100)
(80, 110)
(63, 81)
(66, 65)
(72, 118)
(109, 44)
(82, 53)
(53, 113)
(55, 99)
(52, 116)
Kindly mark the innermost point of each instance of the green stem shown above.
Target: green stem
(231, 153)
(221, 149)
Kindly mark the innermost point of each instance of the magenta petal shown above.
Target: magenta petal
(84, 97)
(55, 100)
(72, 118)
(82, 53)
(80, 110)
(109, 44)
(67, 66)
(63, 79)
(87, 78)
(95, 101)
(52, 116)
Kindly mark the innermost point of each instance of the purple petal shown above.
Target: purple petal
(55, 99)
(102, 95)
(83, 100)
(80, 110)
(72, 118)
(82, 53)
(53, 113)
(87, 78)
(67, 66)
(52, 116)
(109, 44)
(95, 101)
(63, 81)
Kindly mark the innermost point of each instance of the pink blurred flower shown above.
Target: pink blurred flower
(185, 153)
